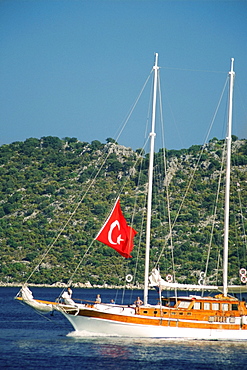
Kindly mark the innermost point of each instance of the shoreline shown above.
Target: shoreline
(75, 285)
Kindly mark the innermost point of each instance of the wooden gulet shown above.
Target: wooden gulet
(222, 317)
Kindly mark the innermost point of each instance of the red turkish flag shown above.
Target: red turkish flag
(116, 233)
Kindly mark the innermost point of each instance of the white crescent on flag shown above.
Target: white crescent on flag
(113, 225)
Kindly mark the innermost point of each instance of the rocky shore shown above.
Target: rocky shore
(74, 285)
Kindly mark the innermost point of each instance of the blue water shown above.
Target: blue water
(31, 341)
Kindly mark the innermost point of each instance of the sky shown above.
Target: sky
(74, 68)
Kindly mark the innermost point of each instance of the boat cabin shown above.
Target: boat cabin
(217, 303)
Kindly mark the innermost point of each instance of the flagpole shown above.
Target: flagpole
(150, 181)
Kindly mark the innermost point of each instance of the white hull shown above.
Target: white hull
(131, 330)
(115, 328)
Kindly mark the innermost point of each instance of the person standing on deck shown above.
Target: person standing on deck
(98, 299)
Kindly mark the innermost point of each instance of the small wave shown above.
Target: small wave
(84, 333)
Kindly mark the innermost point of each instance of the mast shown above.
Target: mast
(150, 179)
(228, 168)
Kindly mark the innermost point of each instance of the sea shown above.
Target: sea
(29, 340)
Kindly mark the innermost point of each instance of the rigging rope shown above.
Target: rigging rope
(214, 214)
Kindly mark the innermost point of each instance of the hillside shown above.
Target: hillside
(43, 182)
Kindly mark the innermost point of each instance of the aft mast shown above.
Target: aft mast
(150, 177)
(228, 168)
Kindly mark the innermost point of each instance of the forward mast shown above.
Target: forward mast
(150, 178)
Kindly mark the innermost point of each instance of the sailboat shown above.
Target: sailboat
(219, 317)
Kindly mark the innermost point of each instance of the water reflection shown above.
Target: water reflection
(180, 354)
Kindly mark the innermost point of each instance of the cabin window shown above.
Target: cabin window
(224, 306)
(184, 304)
(234, 307)
(197, 306)
(206, 306)
(145, 312)
(215, 306)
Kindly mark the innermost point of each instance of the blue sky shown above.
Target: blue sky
(74, 68)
